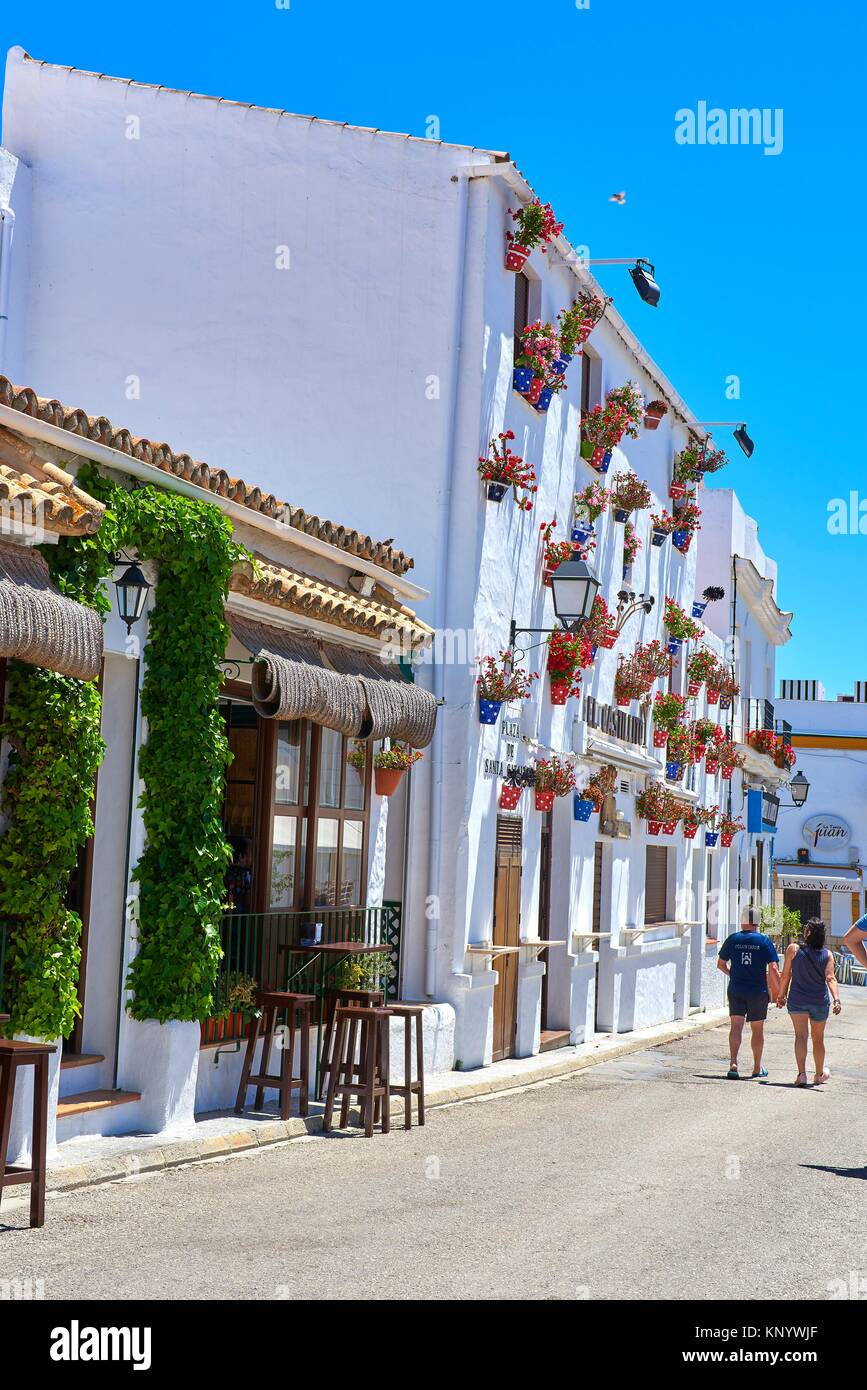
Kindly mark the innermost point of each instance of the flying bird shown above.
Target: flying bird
(617, 198)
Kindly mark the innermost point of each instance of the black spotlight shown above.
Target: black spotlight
(643, 279)
(744, 440)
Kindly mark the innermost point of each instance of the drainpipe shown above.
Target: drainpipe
(7, 227)
(444, 530)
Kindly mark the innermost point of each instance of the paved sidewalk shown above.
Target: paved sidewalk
(94, 1159)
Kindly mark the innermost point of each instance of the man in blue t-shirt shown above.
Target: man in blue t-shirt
(856, 940)
(751, 962)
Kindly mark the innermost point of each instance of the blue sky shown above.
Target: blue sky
(757, 254)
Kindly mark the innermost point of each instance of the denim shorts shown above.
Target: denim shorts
(818, 1012)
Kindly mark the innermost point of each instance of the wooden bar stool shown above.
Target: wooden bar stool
(298, 1009)
(12, 1056)
(368, 1078)
(408, 1012)
(359, 998)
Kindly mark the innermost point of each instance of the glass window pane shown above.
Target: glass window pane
(288, 762)
(351, 864)
(325, 883)
(283, 861)
(356, 764)
(330, 756)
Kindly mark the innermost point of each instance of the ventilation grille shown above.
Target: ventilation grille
(807, 690)
(625, 785)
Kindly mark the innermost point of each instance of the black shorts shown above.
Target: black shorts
(752, 1007)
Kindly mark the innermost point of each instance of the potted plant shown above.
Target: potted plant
(600, 628)
(657, 805)
(696, 816)
(631, 545)
(784, 755)
(629, 399)
(701, 666)
(687, 516)
(729, 826)
(637, 672)
(553, 552)
(706, 731)
(605, 425)
(686, 472)
(679, 751)
(728, 688)
(679, 627)
(663, 525)
(711, 834)
(629, 494)
(568, 654)
(603, 783)
(763, 741)
(654, 414)
(510, 792)
(237, 994)
(389, 765)
(499, 681)
(540, 348)
(577, 323)
(712, 750)
(554, 777)
(501, 470)
(536, 225)
(589, 505)
(729, 758)
(710, 460)
(668, 711)
(711, 594)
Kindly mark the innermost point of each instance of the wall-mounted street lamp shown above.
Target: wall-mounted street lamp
(643, 276)
(799, 787)
(574, 587)
(740, 432)
(132, 592)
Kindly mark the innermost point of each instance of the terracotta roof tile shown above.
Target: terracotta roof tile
(215, 480)
(302, 593)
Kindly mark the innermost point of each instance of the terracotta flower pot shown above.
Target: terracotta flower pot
(559, 692)
(654, 827)
(654, 414)
(544, 800)
(516, 256)
(386, 780)
(726, 837)
(711, 765)
(713, 697)
(660, 738)
(689, 831)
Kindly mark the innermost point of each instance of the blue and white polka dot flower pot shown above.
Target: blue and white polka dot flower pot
(522, 378)
(546, 395)
(673, 771)
(582, 808)
(673, 646)
(581, 532)
(698, 608)
(489, 711)
(710, 838)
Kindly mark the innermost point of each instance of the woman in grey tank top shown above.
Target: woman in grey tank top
(808, 986)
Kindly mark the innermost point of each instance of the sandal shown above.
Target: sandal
(801, 1080)
(733, 1074)
(757, 1075)
(820, 1078)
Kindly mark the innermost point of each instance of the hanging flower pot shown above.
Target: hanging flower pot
(509, 797)
(674, 771)
(698, 607)
(727, 773)
(712, 696)
(608, 639)
(725, 701)
(522, 378)
(682, 540)
(593, 650)
(544, 800)
(624, 704)
(562, 362)
(654, 827)
(497, 491)
(621, 514)
(581, 532)
(689, 830)
(386, 780)
(711, 766)
(694, 688)
(710, 838)
(546, 395)
(587, 449)
(673, 645)
(677, 491)
(658, 537)
(602, 460)
(559, 692)
(726, 838)
(489, 711)
(654, 413)
(582, 809)
(660, 738)
(669, 827)
(516, 256)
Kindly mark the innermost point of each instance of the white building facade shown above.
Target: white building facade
(326, 309)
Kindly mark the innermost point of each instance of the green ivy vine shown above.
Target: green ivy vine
(53, 725)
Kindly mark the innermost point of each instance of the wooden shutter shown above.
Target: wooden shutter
(522, 307)
(655, 883)
(597, 888)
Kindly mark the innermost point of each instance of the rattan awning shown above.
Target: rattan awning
(296, 676)
(39, 625)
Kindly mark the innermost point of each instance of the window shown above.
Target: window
(522, 307)
(239, 801)
(655, 884)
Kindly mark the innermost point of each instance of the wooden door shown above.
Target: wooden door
(507, 928)
(597, 920)
(544, 932)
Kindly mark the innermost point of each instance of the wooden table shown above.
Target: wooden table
(325, 955)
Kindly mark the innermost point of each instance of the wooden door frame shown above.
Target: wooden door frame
(505, 1001)
(546, 857)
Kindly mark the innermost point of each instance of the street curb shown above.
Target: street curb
(174, 1153)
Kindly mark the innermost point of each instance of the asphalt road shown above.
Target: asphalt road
(649, 1177)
